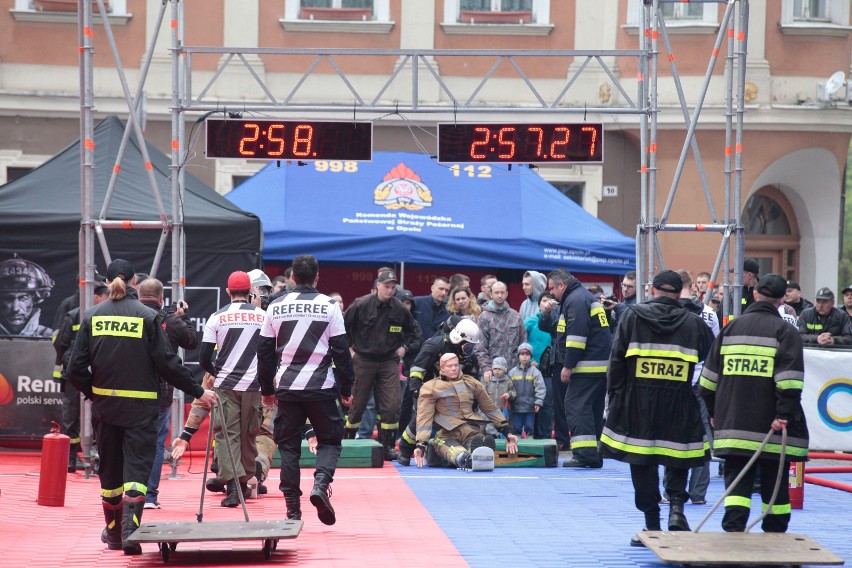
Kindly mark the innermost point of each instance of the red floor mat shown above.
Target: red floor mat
(379, 523)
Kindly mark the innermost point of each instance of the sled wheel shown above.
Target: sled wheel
(165, 551)
(267, 549)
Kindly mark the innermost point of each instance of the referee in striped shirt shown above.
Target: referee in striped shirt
(302, 336)
(234, 331)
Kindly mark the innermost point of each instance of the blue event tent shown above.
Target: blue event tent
(404, 207)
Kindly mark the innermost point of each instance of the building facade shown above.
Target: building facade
(794, 148)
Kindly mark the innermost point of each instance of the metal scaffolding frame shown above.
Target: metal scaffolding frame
(417, 63)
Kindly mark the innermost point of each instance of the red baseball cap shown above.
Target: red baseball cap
(239, 280)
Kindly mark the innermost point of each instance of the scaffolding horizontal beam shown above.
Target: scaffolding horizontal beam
(395, 109)
(128, 224)
(549, 53)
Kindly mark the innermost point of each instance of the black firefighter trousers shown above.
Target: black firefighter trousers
(326, 418)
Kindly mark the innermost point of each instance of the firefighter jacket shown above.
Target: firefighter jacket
(837, 323)
(377, 329)
(426, 365)
(65, 336)
(753, 375)
(653, 416)
(124, 344)
(449, 404)
(583, 337)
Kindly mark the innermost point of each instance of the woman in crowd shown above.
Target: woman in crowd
(463, 303)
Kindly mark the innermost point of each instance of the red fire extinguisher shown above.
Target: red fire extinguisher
(797, 485)
(55, 448)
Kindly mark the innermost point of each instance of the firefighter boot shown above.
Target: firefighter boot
(232, 499)
(321, 499)
(677, 520)
(652, 523)
(406, 449)
(294, 507)
(111, 535)
(350, 433)
(132, 517)
(387, 438)
(72, 458)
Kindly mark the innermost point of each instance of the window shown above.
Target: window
(680, 18)
(764, 216)
(355, 16)
(65, 11)
(509, 17)
(811, 10)
(815, 17)
(13, 173)
(358, 10)
(495, 11)
(571, 190)
(683, 11)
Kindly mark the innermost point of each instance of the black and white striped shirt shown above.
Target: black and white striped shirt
(302, 324)
(235, 329)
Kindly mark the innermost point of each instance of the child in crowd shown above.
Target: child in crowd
(529, 392)
(501, 389)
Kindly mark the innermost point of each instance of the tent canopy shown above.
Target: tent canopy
(40, 220)
(406, 207)
(42, 209)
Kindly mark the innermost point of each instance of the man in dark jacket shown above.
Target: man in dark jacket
(793, 298)
(430, 310)
(381, 332)
(180, 332)
(584, 341)
(752, 381)
(654, 418)
(825, 325)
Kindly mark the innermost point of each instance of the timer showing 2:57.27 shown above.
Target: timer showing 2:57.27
(520, 143)
(251, 139)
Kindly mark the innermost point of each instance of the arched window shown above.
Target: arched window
(772, 233)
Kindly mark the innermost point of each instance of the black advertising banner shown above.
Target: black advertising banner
(29, 397)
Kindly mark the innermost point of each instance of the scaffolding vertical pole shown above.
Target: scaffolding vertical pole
(652, 139)
(729, 157)
(642, 96)
(739, 230)
(86, 260)
(178, 279)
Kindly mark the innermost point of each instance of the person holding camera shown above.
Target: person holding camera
(181, 333)
(613, 307)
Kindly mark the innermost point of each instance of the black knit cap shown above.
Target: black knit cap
(668, 281)
(120, 267)
(772, 286)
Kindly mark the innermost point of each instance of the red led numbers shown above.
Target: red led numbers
(520, 143)
(289, 140)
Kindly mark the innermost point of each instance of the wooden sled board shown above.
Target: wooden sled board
(714, 548)
(192, 531)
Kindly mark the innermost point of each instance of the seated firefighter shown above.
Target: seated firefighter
(449, 402)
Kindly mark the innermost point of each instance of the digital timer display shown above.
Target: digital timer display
(251, 139)
(520, 143)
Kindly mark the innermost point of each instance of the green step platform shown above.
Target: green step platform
(355, 453)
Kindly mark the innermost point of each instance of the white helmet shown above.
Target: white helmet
(465, 330)
(259, 278)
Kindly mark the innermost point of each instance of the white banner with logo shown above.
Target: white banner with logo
(827, 398)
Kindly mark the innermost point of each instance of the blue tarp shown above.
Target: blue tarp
(404, 207)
